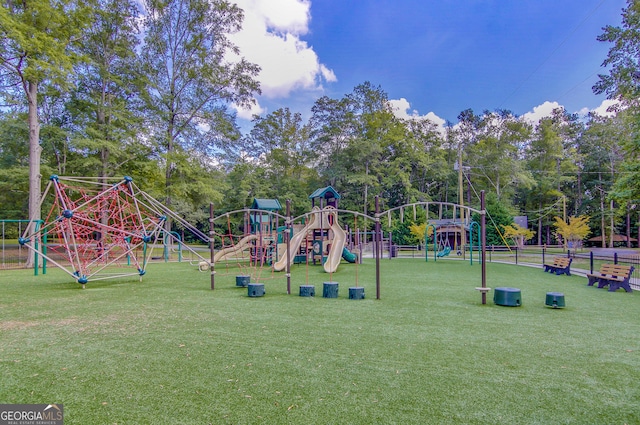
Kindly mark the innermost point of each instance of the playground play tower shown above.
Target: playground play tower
(321, 237)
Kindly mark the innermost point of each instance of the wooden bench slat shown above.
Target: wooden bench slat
(615, 275)
(560, 265)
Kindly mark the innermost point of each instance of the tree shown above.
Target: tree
(623, 79)
(518, 233)
(601, 155)
(574, 231)
(426, 157)
(551, 161)
(622, 82)
(363, 148)
(626, 188)
(280, 144)
(186, 58)
(495, 158)
(105, 103)
(35, 51)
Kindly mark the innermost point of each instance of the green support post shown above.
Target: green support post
(426, 244)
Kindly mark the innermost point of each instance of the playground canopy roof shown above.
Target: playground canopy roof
(325, 192)
(266, 204)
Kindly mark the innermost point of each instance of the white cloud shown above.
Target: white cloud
(271, 38)
(541, 111)
(546, 110)
(401, 107)
(602, 109)
(247, 114)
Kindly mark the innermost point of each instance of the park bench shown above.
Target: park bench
(615, 275)
(560, 265)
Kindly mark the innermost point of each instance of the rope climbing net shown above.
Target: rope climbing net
(95, 230)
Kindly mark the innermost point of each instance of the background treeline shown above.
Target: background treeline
(146, 91)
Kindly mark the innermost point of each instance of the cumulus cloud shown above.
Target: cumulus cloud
(546, 110)
(603, 109)
(541, 111)
(247, 114)
(401, 108)
(271, 38)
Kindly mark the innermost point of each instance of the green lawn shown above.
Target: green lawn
(171, 351)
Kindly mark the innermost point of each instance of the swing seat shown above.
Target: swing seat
(444, 252)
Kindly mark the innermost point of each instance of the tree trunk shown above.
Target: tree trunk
(602, 230)
(612, 225)
(602, 224)
(578, 203)
(548, 234)
(366, 188)
(628, 228)
(34, 161)
(540, 225)
(168, 176)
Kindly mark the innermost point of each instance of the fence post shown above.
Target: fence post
(516, 255)
(544, 248)
(615, 258)
(591, 261)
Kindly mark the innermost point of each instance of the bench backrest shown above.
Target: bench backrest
(616, 270)
(561, 261)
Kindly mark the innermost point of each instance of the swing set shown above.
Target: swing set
(441, 231)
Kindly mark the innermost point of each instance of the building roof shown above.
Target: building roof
(266, 204)
(616, 238)
(325, 192)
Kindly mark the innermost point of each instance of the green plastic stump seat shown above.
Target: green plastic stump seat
(356, 293)
(510, 297)
(243, 281)
(555, 300)
(307, 291)
(255, 289)
(330, 290)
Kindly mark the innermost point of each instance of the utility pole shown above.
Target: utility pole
(461, 200)
(564, 217)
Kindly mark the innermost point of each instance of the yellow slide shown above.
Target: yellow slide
(296, 240)
(337, 244)
(244, 243)
(315, 222)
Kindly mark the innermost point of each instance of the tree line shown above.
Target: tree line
(116, 87)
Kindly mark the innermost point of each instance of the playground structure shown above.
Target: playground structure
(319, 220)
(94, 229)
(320, 237)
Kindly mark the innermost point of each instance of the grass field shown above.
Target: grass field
(171, 351)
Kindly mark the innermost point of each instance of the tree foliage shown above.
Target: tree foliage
(154, 96)
(190, 79)
(574, 231)
(517, 233)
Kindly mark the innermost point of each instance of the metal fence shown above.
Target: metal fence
(586, 261)
(12, 254)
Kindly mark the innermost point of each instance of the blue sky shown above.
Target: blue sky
(433, 58)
